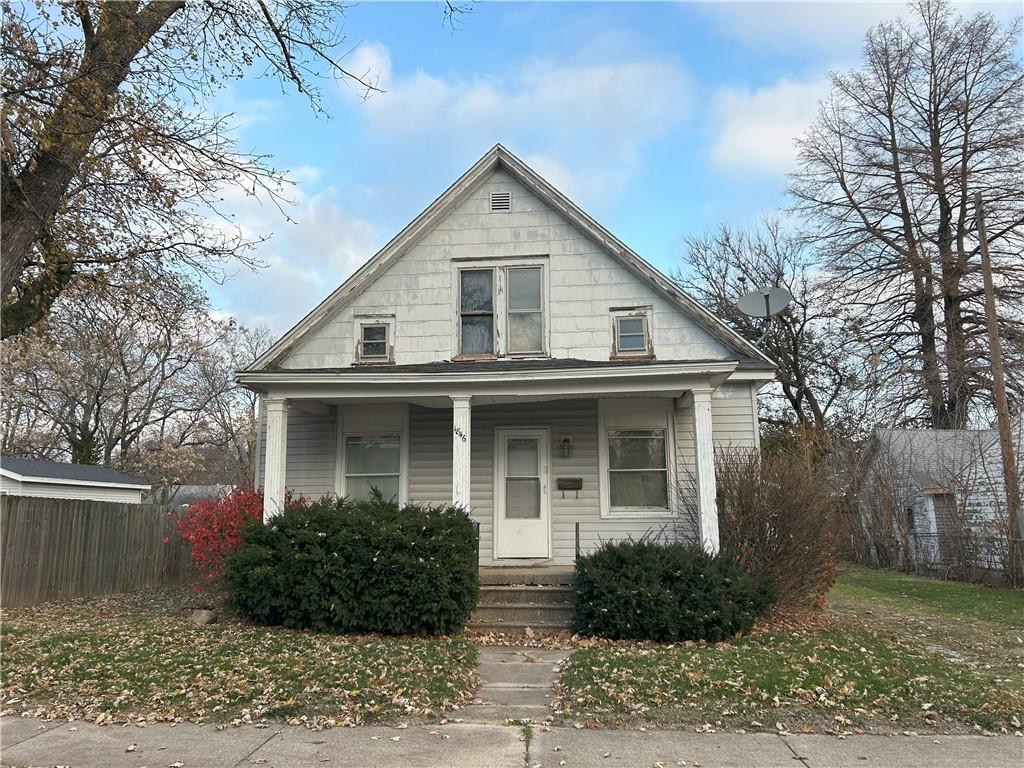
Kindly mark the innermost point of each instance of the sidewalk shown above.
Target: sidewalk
(28, 742)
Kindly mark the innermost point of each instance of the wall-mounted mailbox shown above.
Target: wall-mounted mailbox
(570, 483)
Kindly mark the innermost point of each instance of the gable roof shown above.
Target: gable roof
(500, 157)
(35, 470)
(929, 456)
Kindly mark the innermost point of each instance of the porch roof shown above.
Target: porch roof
(499, 380)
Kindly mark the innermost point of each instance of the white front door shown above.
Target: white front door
(522, 502)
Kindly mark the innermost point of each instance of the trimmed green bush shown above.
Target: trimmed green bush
(642, 590)
(344, 566)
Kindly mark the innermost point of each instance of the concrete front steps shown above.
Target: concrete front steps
(515, 685)
(512, 599)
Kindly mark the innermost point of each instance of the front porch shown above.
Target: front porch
(548, 463)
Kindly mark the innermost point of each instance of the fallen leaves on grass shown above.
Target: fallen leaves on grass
(840, 677)
(551, 640)
(136, 658)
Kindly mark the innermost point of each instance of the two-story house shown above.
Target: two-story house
(507, 353)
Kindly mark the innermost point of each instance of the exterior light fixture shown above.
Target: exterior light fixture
(565, 443)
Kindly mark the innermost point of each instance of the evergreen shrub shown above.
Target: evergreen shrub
(357, 567)
(646, 590)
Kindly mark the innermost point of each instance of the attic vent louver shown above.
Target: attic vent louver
(501, 201)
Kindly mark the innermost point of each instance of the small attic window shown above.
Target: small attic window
(501, 201)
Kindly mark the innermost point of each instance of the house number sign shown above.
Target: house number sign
(461, 435)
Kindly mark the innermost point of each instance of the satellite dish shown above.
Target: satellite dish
(764, 302)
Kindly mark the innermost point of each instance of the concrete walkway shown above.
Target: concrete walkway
(27, 742)
(515, 684)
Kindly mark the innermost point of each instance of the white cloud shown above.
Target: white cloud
(593, 116)
(755, 129)
(306, 258)
(831, 26)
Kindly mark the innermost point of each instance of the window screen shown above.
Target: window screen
(476, 307)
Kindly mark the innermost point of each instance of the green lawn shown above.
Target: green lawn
(948, 599)
(876, 667)
(978, 626)
(138, 656)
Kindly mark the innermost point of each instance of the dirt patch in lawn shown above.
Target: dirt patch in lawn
(137, 657)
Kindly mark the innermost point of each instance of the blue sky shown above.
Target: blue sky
(662, 120)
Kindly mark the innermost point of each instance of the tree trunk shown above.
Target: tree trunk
(33, 196)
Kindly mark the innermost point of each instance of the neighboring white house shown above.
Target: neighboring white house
(57, 480)
(989, 502)
(507, 353)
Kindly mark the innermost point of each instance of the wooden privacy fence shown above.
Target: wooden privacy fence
(61, 548)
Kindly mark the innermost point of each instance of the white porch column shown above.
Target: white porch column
(461, 431)
(705, 465)
(277, 452)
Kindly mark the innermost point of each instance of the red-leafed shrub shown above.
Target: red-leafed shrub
(213, 528)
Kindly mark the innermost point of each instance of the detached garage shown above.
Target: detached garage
(57, 480)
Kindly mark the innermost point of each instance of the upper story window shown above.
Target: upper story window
(373, 342)
(502, 309)
(525, 310)
(476, 310)
(631, 332)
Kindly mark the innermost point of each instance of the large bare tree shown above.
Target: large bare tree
(886, 178)
(136, 376)
(820, 380)
(111, 152)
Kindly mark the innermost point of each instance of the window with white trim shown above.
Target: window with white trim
(525, 310)
(373, 461)
(373, 345)
(632, 335)
(476, 311)
(638, 470)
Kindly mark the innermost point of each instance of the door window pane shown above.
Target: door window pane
(522, 457)
(522, 498)
(477, 290)
(477, 334)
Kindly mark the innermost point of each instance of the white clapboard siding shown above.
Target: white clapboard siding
(430, 470)
(585, 281)
(310, 464)
(734, 415)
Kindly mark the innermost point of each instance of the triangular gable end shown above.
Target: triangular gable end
(499, 157)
